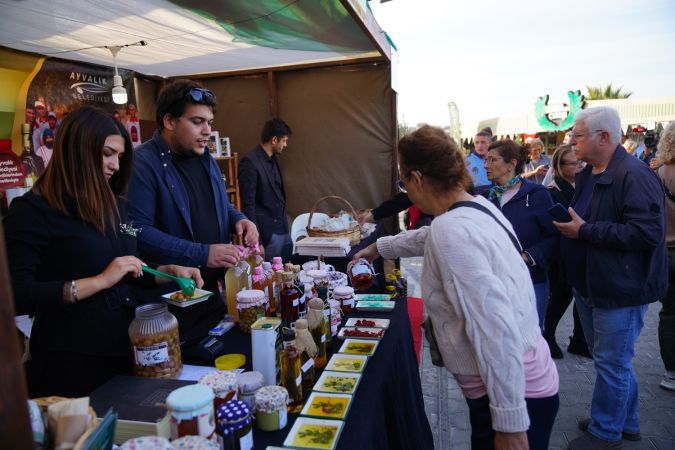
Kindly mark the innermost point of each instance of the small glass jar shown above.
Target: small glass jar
(154, 342)
(193, 443)
(223, 383)
(249, 383)
(320, 279)
(234, 425)
(251, 307)
(270, 406)
(337, 279)
(191, 411)
(147, 443)
(335, 316)
(361, 274)
(345, 295)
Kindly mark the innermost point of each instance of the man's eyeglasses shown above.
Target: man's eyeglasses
(199, 94)
(579, 136)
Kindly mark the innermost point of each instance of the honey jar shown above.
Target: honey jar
(361, 274)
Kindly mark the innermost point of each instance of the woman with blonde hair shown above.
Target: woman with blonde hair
(666, 155)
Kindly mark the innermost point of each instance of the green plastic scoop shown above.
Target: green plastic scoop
(187, 285)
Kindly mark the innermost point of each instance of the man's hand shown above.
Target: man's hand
(655, 163)
(183, 272)
(511, 441)
(365, 217)
(370, 253)
(248, 230)
(570, 229)
(222, 255)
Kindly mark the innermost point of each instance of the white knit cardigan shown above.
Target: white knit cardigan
(479, 295)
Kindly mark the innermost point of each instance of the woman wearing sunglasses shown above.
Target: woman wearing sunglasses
(72, 253)
(478, 296)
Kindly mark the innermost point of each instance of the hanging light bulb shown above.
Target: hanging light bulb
(119, 94)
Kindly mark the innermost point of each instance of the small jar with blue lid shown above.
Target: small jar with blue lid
(234, 425)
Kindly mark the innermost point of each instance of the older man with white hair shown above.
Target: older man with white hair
(615, 253)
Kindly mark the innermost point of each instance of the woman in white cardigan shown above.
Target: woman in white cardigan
(479, 297)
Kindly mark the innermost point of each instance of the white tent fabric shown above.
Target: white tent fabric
(179, 40)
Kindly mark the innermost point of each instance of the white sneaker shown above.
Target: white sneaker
(668, 381)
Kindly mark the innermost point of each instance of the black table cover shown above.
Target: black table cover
(387, 411)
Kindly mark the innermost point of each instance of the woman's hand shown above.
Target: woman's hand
(182, 272)
(370, 253)
(365, 217)
(117, 269)
(511, 441)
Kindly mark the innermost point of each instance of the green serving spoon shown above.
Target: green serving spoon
(187, 285)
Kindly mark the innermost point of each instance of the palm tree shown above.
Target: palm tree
(598, 93)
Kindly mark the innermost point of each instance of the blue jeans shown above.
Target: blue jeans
(611, 334)
(541, 292)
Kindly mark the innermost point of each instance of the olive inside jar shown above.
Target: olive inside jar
(155, 343)
(251, 307)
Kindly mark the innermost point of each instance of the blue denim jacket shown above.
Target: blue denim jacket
(624, 236)
(158, 205)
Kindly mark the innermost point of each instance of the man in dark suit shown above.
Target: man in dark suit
(263, 199)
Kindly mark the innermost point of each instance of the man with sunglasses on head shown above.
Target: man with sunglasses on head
(177, 200)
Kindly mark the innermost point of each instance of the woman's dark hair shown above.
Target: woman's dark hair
(75, 170)
(175, 97)
(557, 159)
(275, 128)
(436, 156)
(509, 151)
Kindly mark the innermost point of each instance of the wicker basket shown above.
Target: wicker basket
(44, 402)
(354, 234)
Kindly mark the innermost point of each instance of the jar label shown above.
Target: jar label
(326, 312)
(283, 417)
(361, 269)
(246, 442)
(152, 355)
(308, 365)
(298, 381)
(295, 302)
(349, 302)
(323, 338)
(333, 330)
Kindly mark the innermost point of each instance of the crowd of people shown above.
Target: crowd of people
(500, 269)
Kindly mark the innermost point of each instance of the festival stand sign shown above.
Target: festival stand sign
(558, 117)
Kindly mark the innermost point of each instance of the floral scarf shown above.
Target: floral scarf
(497, 191)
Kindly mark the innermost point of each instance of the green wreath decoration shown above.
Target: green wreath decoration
(576, 104)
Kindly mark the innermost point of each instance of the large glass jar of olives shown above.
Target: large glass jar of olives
(251, 307)
(154, 342)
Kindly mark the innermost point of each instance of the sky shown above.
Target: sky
(495, 57)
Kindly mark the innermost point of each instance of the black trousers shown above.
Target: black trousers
(667, 317)
(542, 412)
(559, 299)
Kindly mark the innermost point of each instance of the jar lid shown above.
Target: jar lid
(194, 443)
(301, 324)
(250, 381)
(250, 297)
(271, 398)
(343, 292)
(188, 398)
(230, 361)
(315, 303)
(232, 416)
(147, 443)
(220, 380)
(318, 274)
(334, 304)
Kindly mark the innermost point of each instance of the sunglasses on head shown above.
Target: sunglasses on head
(199, 94)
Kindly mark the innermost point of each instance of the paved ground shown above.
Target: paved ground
(448, 413)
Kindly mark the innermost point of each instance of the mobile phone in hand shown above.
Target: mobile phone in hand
(559, 213)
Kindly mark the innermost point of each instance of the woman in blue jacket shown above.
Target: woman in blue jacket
(526, 205)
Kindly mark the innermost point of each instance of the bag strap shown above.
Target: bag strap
(482, 208)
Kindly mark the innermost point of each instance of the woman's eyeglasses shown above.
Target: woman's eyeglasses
(199, 94)
(400, 184)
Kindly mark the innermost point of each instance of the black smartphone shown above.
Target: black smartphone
(559, 213)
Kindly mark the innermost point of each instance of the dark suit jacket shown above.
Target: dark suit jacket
(261, 201)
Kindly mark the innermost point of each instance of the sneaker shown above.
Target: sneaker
(579, 347)
(668, 382)
(590, 442)
(627, 435)
(556, 352)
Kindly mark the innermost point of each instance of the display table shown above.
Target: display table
(388, 409)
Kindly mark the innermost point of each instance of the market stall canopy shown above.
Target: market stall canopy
(192, 37)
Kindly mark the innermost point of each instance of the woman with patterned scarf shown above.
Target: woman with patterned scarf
(526, 205)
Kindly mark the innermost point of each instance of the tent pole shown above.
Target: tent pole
(15, 430)
(272, 94)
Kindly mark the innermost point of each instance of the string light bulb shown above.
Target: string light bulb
(119, 94)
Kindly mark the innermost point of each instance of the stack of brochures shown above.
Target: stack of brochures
(323, 246)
